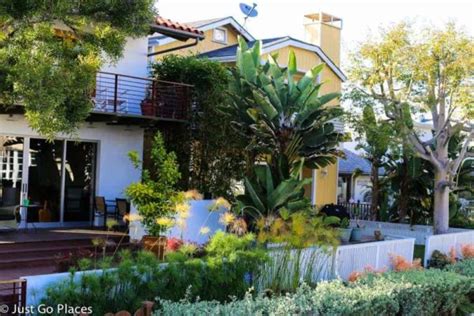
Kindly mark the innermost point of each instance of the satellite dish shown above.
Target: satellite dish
(248, 11)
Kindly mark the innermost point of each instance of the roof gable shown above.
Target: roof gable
(205, 25)
(228, 54)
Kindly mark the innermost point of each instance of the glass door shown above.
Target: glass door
(80, 180)
(11, 172)
(44, 180)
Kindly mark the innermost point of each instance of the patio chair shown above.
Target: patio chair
(104, 100)
(100, 209)
(123, 208)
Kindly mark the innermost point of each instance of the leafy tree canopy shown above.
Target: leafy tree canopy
(50, 51)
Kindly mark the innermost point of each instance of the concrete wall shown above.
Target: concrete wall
(114, 170)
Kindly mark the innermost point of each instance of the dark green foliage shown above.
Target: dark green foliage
(215, 277)
(213, 150)
(268, 194)
(463, 267)
(51, 50)
(155, 196)
(281, 117)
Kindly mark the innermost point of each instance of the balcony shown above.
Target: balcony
(128, 97)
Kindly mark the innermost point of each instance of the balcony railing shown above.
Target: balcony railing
(129, 95)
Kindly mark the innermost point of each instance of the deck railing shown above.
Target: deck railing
(358, 210)
(12, 294)
(123, 94)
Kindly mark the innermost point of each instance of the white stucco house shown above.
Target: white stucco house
(66, 175)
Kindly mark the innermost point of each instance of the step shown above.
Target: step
(12, 246)
(53, 249)
(42, 259)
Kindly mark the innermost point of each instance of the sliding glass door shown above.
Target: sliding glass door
(79, 180)
(11, 172)
(44, 180)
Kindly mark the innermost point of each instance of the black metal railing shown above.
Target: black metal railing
(124, 94)
(358, 210)
(12, 294)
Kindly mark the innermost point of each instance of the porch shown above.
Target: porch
(130, 100)
(34, 252)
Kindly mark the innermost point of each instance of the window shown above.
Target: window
(219, 35)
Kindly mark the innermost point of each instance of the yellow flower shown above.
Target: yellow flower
(192, 195)
(132, 217)
(226, 218)
(220, 203)
(183, 207)
(204, 230)
(181, 223)
(165, 221)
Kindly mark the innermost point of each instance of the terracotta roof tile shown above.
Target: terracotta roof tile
(160, 21)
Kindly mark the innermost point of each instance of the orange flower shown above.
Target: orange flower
(399, 263)
(452, 255)
(354, 276)
(467, 251)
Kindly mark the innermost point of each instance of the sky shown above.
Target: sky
(360, 18)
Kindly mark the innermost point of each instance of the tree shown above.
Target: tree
(285, 120)
(51, 50)
(374, 137)
(430, 71)
(210, 161)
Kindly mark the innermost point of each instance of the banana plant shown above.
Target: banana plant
(281, 115)
(269, 194)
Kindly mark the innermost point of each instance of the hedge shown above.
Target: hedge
(425, 292)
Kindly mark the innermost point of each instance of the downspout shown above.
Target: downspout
(174, 48)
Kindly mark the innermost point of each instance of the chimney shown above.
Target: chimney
(324, 30)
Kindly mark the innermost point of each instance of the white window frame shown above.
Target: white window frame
(225, 35)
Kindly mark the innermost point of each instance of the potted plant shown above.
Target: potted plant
(357, 231)
(148, 108)
(345, 230)
(155, 196)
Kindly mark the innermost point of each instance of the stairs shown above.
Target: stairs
(32, 254)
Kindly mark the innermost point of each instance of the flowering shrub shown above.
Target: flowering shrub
(173, 244)
(467, 251)
(355, 275)
(399, 263)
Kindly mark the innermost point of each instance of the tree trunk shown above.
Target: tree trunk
(374, 205)
(403, 197)
(441, 203)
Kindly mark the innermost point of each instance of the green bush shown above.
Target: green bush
(426, 292)
(214, 277)
(464, 267)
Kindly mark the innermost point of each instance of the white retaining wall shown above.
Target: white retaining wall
(419, 232)
(445, 242)
(377, 255)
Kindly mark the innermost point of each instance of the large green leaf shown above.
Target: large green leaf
(254, 196)
(310, 77)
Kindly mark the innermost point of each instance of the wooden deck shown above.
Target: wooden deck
(33, 252)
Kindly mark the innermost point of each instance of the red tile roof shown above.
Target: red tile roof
(160, 21)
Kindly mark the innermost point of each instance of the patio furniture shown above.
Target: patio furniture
(8, 218)
(105, 101)
(123, 208)
(100, 211)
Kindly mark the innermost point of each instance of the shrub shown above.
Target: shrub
(415, 292)
(467, 251)
(428, 292)
(464, 267)
(438, 260)
(218, 276)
